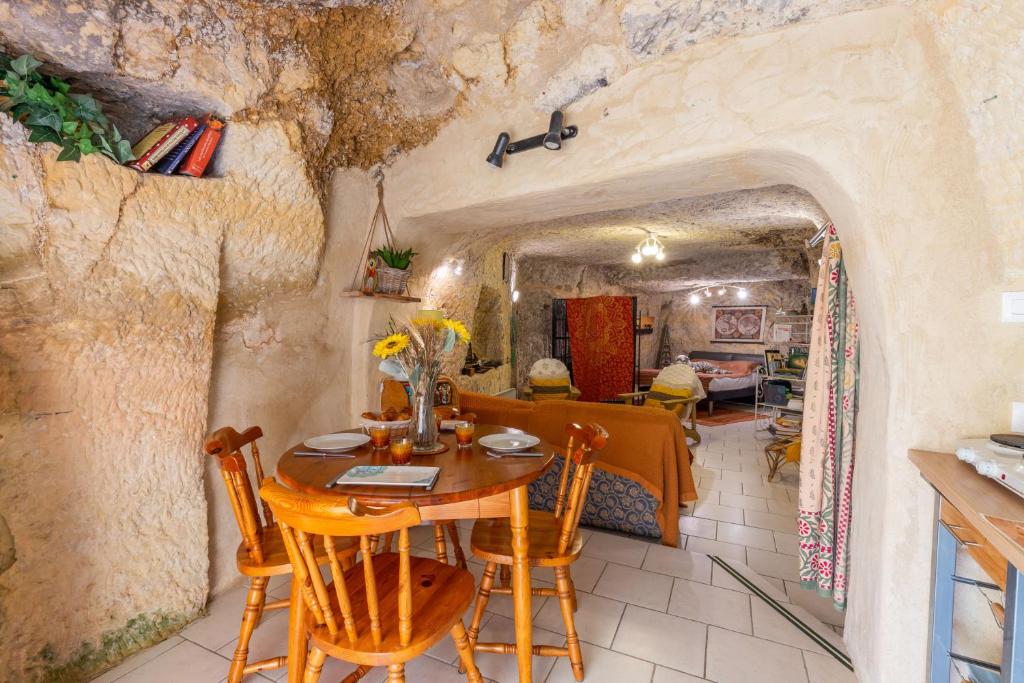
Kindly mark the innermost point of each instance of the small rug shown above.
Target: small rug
(723, 416)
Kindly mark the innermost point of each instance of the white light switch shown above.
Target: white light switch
(1013, 307)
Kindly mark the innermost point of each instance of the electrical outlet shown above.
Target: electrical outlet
(1013, 307)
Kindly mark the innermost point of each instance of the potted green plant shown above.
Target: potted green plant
(393, 268)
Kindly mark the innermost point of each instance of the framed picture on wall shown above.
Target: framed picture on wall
(738, 324)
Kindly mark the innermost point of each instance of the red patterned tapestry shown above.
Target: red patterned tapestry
(601, 341)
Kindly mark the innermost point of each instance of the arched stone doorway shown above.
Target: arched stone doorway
(861, 117)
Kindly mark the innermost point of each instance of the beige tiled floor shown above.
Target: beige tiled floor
(742, 516)
(646, 612)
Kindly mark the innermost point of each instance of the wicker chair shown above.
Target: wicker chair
(549, 380)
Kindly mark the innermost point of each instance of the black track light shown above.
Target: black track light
(496, 156)
(553, 139)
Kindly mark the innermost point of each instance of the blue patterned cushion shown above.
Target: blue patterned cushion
(614, 502)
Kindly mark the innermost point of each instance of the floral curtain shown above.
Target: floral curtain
(829, 426)
(601, 341)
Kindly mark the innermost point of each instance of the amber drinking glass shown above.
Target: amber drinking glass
(401, 450)
(380, 436)
(464, 434)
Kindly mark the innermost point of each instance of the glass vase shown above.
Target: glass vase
(423, 429)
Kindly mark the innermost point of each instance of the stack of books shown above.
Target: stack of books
(785, 426)
(184, 146)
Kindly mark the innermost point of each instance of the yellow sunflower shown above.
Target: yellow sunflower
(389, 346)
(458, 328)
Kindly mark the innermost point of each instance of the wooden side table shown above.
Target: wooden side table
(777, 453)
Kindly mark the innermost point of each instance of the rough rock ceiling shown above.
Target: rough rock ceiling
(778, 217)
(742, 236)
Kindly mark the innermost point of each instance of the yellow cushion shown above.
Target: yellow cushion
(793, 451)
(550, 388)
(662, 392)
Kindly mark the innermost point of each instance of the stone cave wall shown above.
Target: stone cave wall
(690, 326)
(541, 280)
(138, 310)
(482, 300)
(110, 292)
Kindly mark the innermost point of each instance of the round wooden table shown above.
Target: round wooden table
(470, 485)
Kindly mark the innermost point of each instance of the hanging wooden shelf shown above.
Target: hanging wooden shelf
(353, 293)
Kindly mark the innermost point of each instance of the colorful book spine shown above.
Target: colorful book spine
(199, 158)
(173, 159)
(148, 152)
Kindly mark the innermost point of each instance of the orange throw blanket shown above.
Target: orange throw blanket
(646, 445)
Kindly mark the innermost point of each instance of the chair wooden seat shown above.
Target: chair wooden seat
(441, 595)
(275, 555)
(492, 541)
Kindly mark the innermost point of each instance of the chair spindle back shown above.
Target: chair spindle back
(302, 517)
(585, 442)
(226, 444)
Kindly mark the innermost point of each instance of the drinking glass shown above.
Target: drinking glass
(464, 433)
(401, 450)
(380, 436)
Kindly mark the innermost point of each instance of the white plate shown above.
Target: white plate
(508, 442)
(336, 443)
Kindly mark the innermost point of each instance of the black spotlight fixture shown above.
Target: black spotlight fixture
(550, 140)
(496, 156)
(553, 140)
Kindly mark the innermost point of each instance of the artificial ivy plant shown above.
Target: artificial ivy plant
(47, 107)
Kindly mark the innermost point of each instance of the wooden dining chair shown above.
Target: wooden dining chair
(261, 554)
(447, 405)
(672, 390)
(384, 611)
(553, 542)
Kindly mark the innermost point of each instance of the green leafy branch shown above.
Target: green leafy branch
(395, 258)
(47, 107)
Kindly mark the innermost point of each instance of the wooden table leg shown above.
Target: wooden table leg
(296, 635)
(521, 598)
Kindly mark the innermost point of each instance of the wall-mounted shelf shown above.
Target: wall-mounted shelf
(355, 293)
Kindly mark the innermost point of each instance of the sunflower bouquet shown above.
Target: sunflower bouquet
(414, 352)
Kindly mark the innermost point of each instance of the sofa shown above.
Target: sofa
(643, 474)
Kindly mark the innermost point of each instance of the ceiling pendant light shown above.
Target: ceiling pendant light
(694, 299)
(707, 293)
(742, 293)
(721, 291)
(649, 246)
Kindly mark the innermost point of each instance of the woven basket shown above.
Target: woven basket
(391, 280)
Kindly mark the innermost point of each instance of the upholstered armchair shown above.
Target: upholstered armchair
(676, 388)
(549, 380)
